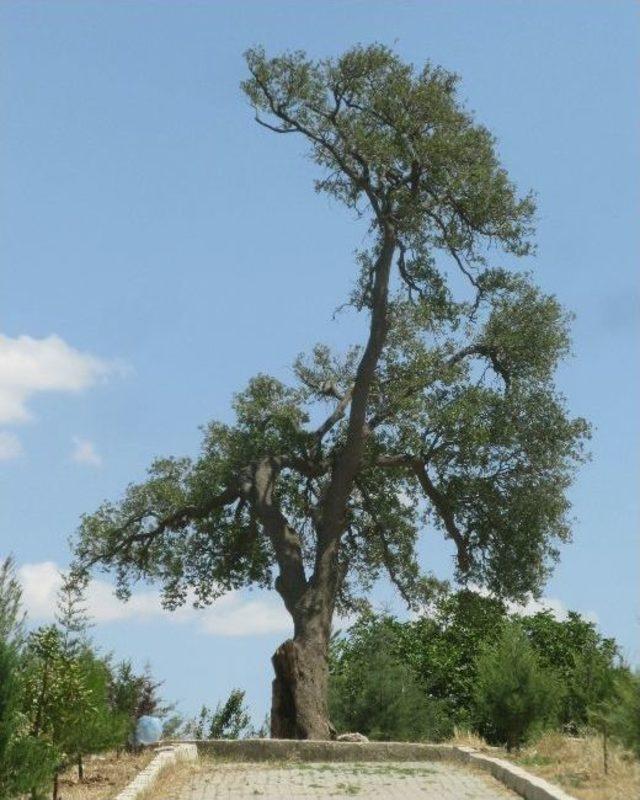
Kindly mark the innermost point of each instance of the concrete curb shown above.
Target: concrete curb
(163, 758)
(519, 780)
(529, 786)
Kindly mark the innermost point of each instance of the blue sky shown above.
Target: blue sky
(159, 248)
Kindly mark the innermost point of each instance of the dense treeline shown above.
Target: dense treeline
(60, 699)
(470, 664)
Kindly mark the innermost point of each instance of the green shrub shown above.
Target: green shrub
(625, 714)
(585, 662)
(374, 693)
(514, 694)
(26, 763)
(229, 720)
(440, 649)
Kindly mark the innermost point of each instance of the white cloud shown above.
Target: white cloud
(40, 582)
(533, 606)
(29, 366)
(10, 446)
(84, 452)
(557, 608)
(231, 615)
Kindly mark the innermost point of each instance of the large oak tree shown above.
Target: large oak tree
(445, 417)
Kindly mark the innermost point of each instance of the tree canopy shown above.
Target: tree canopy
(446, 417)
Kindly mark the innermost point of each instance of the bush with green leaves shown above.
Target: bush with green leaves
(515, 695)
(374, 693)
(26, 763)
(441, 646)
(133, 695)
(55, 694)
(586, 663)
(97, 725)
(624, 711)
(59, 698)
(12, 616)
(229, 720)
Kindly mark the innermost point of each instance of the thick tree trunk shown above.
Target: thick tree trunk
(299, 696)
(299, 704)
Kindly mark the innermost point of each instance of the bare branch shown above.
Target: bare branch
(336, 415)
(445, 512)
(479, 349)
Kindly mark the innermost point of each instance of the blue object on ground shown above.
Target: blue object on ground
(148, 730)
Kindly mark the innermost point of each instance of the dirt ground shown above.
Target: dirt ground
(104, 776)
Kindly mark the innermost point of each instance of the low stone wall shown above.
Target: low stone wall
(308, 750)
(519, 780)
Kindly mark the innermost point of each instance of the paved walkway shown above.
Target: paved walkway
(369, 781)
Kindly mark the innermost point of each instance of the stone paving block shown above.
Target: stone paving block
(437, 780)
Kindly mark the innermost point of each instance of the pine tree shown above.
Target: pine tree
(72, 617)
(25, 761)
(514, 694)
(12, 615)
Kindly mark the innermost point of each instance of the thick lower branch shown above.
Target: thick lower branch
(291, 582)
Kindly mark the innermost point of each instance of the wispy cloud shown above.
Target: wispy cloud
(556, 607)
(234, 614)
(30, 366)
(84, 452)
(532, 606)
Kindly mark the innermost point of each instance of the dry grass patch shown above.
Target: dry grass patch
(575, 764)
(104, 776)
(173, 778)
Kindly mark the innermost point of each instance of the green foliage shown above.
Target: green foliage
(97, 725)
(623, 711)
(26, 762)
(11, 614)
(369, 108)
(59, 699)
(133, 695)
(465, 431)
(373, 692)
(229, 720)
(585, 662)
(441, 648)
(72, 617)
(67, 698)
(514, 695)
(55, 691)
